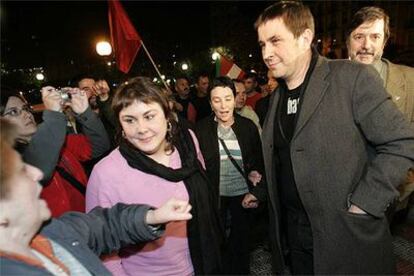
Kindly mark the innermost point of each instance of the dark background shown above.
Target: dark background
(60, 36)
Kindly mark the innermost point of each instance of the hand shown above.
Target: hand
(51, 99)
(178, 106)
(255, 177)
(250, 201)
(79, 101)
(172, 210)
(101, 88)
(356, 210)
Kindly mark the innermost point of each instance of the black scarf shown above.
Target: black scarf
(205, 235)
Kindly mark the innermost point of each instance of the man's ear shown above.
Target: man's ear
(306, 38)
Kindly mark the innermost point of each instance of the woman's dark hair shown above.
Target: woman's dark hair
(222, 82)
(5, 95)
(142, 89)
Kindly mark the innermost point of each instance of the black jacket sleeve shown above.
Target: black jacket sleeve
(255, 161)
(105, 230)
(106, 111)
(93, 128)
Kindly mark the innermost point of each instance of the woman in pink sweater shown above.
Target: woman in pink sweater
(157, 159)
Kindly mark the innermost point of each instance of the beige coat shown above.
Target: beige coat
(400, 85)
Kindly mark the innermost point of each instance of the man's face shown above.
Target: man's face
(87, 86)
(281, 51)
(241, 95)
(202, 85)
(250, 85)
(183, 88)
(366, 43)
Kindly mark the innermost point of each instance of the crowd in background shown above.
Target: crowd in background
(238, 152)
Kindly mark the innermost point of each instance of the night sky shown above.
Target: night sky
(35, 33)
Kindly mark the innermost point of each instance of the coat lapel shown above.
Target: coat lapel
(267, 142)
(313, 95)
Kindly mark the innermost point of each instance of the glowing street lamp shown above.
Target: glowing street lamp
(103, 48)
(184, 66)
(215, 56)
(40, 76)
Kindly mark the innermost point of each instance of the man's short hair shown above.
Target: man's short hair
(250, 75)
(180, 77)
(202, 75)
(74, 82)
(296, 16)
(369, 14)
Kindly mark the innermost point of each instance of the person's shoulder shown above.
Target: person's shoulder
(350, 70)
(110, 162)
(206, 121)
(346, 64)
(400, 67)
(244, 122)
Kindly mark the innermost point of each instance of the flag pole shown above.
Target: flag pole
(155, 66)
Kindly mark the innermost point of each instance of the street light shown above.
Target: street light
(40, 76)
(184, 66)
(215, 56)
(103, 48)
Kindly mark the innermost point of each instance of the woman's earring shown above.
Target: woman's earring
(123, 134)
(169, 131)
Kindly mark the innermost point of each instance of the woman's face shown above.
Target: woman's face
(18, 112)
(145, 126)
(222, 103)
(26, 209)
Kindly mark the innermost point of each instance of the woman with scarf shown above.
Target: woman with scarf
(157, 159)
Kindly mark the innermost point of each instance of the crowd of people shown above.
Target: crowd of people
(142, 181)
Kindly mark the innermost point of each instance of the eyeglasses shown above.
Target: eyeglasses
(15, 112)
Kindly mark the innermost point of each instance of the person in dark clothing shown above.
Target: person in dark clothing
(182, 96)
(200, 98)
(70, 245)
(231, 147)
(335, 148)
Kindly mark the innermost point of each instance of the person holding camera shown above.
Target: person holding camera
(53, 147)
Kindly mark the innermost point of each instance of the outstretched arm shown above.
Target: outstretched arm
(105, 230)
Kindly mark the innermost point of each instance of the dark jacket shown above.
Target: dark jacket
(345, 115)
(249, 141)
(87, 236)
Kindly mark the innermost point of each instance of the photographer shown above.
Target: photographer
(53, 148)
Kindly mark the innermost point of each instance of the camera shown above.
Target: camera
(65, 94)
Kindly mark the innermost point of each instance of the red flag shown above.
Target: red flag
(125, 39)
(226, 67)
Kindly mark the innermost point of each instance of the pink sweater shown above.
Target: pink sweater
(112, 181)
